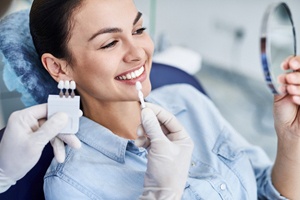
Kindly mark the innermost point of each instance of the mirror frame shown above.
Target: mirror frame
(264, 47)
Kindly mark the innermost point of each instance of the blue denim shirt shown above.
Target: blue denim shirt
(223, 166)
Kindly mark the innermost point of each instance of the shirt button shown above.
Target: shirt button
(223, 186)
(193, 164)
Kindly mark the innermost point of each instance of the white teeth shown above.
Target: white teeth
(139, 72)
(128, 76)
(132, 75)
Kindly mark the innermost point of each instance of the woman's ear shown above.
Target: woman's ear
(57, 68)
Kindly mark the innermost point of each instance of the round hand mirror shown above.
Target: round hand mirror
(277, 42)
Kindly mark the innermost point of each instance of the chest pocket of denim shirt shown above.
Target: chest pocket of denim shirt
(236, 167)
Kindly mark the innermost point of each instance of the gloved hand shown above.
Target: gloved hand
(169, 155)
(24, 139)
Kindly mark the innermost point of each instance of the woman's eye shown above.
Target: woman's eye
(113, 43)
(139, 31)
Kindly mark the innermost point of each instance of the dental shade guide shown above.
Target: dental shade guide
(69, 104)
(139, 87)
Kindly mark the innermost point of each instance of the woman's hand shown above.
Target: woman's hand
(286, 170)
(286, 105)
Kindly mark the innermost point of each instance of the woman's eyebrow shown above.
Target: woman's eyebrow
(114, 30)
(137, 18)
(105, 30)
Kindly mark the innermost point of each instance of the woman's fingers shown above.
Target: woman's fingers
(291, 63)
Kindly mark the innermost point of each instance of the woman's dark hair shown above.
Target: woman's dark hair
(50, 24)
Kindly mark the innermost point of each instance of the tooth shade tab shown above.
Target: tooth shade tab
(67, 85)
(138, 87)
(61, 84)
(72, 85)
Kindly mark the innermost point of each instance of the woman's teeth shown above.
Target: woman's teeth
(132, 75)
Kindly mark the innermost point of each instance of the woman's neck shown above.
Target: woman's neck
(122, 118)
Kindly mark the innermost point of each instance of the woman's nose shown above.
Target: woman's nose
(134, 52)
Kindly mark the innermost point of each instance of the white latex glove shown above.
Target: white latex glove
(169, 155)
(24, 139)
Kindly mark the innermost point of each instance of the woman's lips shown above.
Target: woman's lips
(131, 75)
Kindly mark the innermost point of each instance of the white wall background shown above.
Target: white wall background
(209, 27)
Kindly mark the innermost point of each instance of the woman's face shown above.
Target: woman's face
(111, 51)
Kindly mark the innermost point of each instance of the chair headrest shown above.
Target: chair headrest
(23, 70)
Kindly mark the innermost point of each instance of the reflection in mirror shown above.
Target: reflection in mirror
(278, 42)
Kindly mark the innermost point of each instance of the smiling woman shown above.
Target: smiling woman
(103, 46)
(104, 60)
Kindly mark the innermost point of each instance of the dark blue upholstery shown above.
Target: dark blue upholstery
(31, 186)
(162, 74)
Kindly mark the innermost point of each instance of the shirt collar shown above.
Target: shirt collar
(102, 139)
(163, 96)
(113, 146)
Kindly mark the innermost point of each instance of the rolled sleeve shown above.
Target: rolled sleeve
(267, 189)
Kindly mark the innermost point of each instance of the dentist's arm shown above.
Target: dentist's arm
(24, 139)
(169, 155)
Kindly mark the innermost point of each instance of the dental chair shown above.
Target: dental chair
(21, 74)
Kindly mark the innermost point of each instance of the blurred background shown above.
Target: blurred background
(216, 41)
(225, 37)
